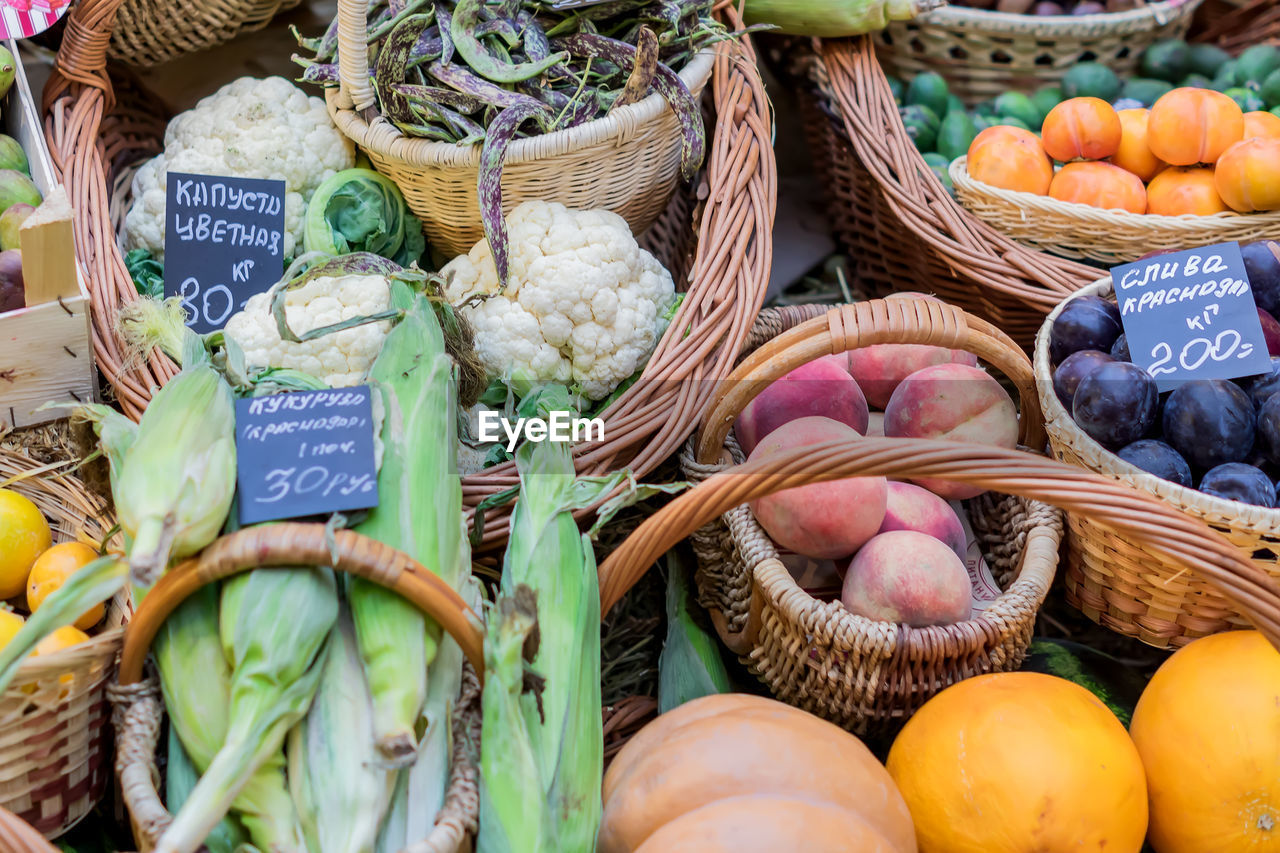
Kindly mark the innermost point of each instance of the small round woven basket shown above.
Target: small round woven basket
(151, 32)
(902, 228)
(1084, 232)
(17, 836)
(983, 53)
(628, 162)
(53, 718)
(860, 673)
(1113, 577)
(139, 707)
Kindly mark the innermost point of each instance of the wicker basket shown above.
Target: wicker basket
(1090, 233)
(716, 240)
(17, 836)
(53, 753)
(1236, 24)
(983, 53)
(1113, 577)
(628, 162)
(151, 32)
(859, 673)
(903, 229)
(139, 708)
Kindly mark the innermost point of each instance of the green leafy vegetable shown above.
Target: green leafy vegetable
(358, 210)
(147, 273)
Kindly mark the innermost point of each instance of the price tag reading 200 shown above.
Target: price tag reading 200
(1191, 315)
(305, 453)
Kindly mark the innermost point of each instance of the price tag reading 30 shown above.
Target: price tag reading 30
(305, 453)
(1191, 315)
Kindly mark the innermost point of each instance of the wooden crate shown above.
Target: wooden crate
(46, 353)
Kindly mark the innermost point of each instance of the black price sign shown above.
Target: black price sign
(305, 453)
(223, 242)
(1191, 315)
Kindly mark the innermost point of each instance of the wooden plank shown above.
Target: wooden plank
(45, 355)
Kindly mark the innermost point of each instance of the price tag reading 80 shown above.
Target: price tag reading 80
(212, 305)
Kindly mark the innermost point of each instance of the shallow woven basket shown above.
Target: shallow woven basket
(716, 239)
(1115, 579)
(139, 707)
(150, 32)
(628, 162)
(53, 748)
(983, 53)
(903, 229)
(17, 836)
(857, 672)
(1090, 233)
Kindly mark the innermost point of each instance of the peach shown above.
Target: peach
(909, 507)
(820, 388)
(908, 577)
(954, 402)
(821, 520)
(880, 367)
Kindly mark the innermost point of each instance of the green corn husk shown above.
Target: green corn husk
(339, 784)
(273, 624)
(419, 512)
(690, 665)
(180, 779)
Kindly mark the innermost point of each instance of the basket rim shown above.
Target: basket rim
(1148, 17)
(1062, 429)
(381, 136)
(1198, 226)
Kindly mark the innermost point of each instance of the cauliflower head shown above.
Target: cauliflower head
(583, 301)
(251, 128)
(340, 359)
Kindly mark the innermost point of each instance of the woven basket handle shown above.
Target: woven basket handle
(293, 544)
(1149, 521)
(354, 88)
(17, 836)
(899, 320)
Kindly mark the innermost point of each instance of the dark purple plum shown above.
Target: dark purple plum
(1262, 264)
(1269, 429)
(1156, 457)
(1237, 481)
(1262, 386)
(1089, 322)
(1075, 367)
(1120, 349)
(1270, 332)
(1116, 404)
(1210, 422)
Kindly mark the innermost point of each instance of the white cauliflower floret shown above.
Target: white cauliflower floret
(582, 304)
(251, 128)
(340, 359)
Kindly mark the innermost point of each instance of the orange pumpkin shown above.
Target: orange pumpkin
(1134, 155)
(1208, 730)
(1010, 158)
(1248, 175)
(1182, 190)
(1082, 129)
(1020, 761)
(1261, 123)
(1099, 185)
(1190, 126)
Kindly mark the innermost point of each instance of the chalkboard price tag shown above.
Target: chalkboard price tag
(223, 242)
(1191, 315)
(305, 453)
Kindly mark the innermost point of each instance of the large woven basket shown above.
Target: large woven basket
(628, 162)
(1091, 233)
(139, 708)
(1236, 24)
(151, 32)
(903, 229)
(53, 743)
(716, 239)
(982, 53)
(860, 673)
(17, 836)
(1112, 576)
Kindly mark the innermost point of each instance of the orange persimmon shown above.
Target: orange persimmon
(1181, 190)
(1191, 126)
(1098, 184)
(1133, 154)
(1010, 158)
(1248, 175)
(1081, 129)
(1261, 123)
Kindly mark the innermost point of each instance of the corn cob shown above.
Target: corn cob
(341, 789)
(690, 665)
(180, 778)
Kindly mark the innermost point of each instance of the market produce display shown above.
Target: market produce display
(19, 197)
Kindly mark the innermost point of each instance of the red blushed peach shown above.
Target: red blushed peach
(953, 402)
(821, 388)
(908, 577)
(910, 507)
(822, 520)
(879, 368)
